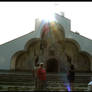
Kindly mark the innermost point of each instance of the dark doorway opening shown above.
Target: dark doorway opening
(52, 66)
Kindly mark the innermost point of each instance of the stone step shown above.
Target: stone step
(32, 88)
(50, 84)
(54, 81)
(28, 79)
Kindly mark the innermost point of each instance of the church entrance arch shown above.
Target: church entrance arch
(52, 65)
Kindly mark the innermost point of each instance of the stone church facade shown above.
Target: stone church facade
(54, 53)
(51, 47)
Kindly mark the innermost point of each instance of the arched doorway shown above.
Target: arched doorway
(52, 66)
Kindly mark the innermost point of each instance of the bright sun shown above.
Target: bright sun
(48, 14)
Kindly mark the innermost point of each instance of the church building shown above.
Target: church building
(51, 43)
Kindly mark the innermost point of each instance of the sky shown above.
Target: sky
(18, 18)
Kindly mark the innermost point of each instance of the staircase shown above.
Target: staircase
(55, 82)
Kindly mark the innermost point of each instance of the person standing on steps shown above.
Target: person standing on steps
(41, 74)
(36, 66)
(35, 76)
(71, 75)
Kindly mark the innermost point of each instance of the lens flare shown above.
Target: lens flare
(66, 82)
(48, 15)
(67, 86)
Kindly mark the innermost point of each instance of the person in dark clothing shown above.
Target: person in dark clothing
(35, 76)
(71, 75)
(36, 66)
